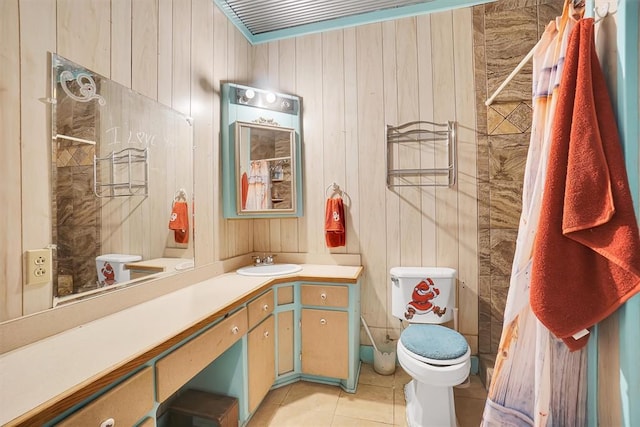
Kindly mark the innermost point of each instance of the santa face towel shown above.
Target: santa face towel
(586, 257)
(334, 223)
(179, 222)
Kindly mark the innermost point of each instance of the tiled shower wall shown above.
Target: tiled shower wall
(504, 32)
(76, 211)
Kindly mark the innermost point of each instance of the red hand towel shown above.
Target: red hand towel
(586, 260)
(179, 222)
(334, 223)
(245, 190)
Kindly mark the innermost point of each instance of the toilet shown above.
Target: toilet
(110, 268)
(436, 357)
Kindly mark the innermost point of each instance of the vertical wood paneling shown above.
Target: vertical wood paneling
(144, 47)
(408, 154)
(83, 33)
(37, 38)
(333, 144)
(202, 108)
(181, 70)
(443, 87)
(309, 83)
(288, 238)
(351, 140)
(426, 99)
(165, 51)
(144, 80)
(241, 231)
(392, 197)
(120, 71)
(10, 195)
(121, 37)
(371, 132)
(467, 185)
(220, 228)
(352, 82)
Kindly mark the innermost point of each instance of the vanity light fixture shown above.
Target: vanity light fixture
(264, 99)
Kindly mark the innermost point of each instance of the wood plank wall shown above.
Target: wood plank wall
(353, 82)
(174, 51)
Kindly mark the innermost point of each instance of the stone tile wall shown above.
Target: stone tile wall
(76, 209)
(504, 32)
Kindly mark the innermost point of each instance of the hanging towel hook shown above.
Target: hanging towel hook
(181, 194)
(601, 13)
(335, 188)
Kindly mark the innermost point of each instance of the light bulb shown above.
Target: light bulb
(249, 93)
(271, 98)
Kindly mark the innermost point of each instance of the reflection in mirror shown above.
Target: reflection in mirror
(122, 183)
(265, 156)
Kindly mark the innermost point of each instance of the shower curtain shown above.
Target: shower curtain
(536, 381)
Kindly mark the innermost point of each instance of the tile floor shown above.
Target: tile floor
(378, 401)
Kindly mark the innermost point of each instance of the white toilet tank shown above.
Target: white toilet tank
(111, 269)
(423, 294)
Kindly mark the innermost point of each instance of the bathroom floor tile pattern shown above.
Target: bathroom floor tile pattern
(378, 401)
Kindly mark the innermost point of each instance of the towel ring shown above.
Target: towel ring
(334, 189)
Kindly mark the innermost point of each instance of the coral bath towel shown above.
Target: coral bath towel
(179, 222)
(334, 223)
(586, 259)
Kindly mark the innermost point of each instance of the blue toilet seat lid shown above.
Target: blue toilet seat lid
(434, 342)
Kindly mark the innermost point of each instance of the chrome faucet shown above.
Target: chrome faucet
(264, 260)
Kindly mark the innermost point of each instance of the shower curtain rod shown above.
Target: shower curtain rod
(600, 15)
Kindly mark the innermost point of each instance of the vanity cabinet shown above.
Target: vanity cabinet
(325, 332)
(261, 349)
(261, 360)
(291, 331)
(325, 343)
(286, 330)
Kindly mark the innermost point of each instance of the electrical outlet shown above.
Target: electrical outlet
(38, 266)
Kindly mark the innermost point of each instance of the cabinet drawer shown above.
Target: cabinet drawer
(260, 308)
(329, 296)
(178, 367)
(125, 403)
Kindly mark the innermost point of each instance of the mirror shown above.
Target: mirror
(266, 157)
(122, 180)
(261, 152)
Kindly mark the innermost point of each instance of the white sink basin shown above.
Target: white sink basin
(269, 270)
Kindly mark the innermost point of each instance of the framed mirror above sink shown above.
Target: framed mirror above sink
(261, 152)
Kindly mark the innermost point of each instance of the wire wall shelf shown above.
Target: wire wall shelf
(127, 171)
(429, 146)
